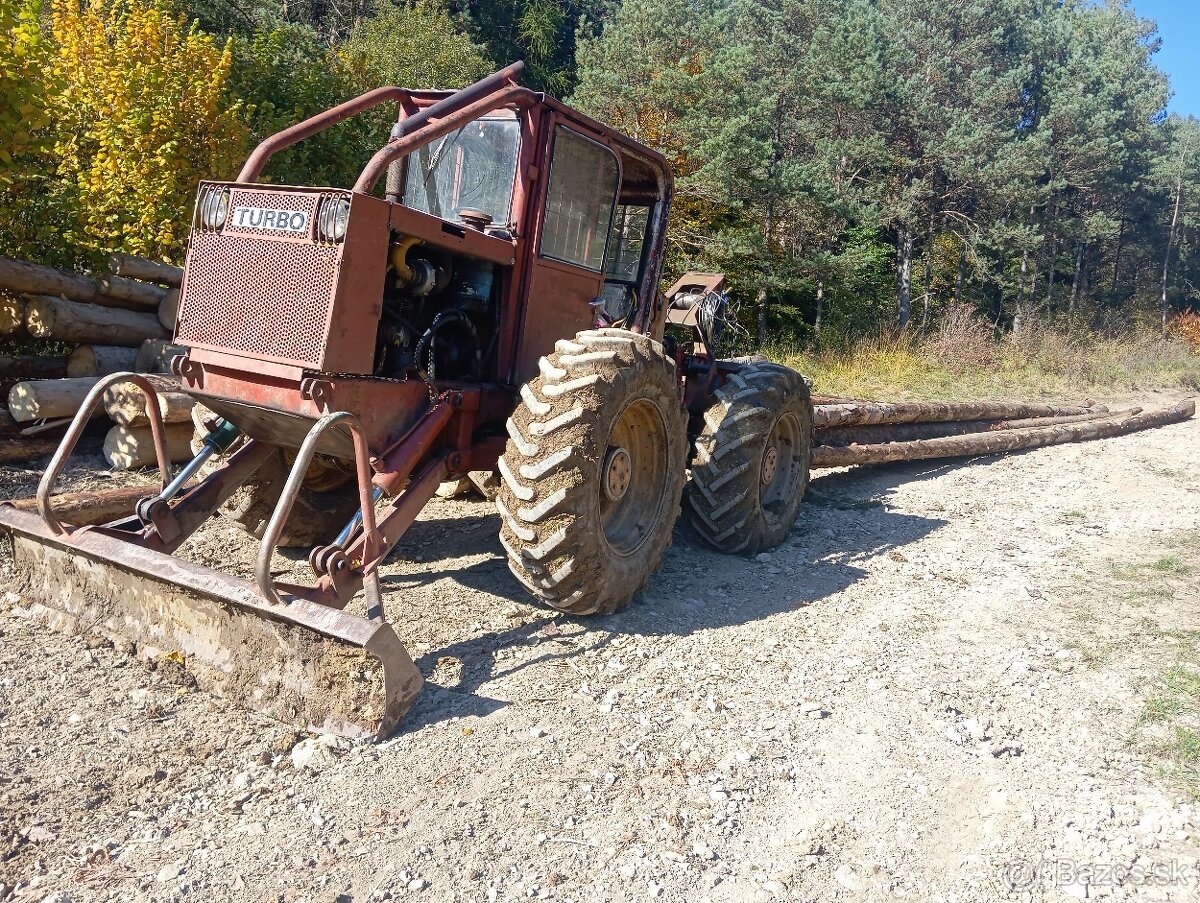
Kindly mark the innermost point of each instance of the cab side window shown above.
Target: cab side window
(579, 201)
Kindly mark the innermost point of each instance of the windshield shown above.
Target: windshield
(473, 167)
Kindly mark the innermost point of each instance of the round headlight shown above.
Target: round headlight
(332, 216)
(214, 208)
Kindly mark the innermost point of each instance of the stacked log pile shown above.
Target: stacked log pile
(871, 432)
(119, 321)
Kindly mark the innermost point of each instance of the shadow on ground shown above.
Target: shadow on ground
(846, 520)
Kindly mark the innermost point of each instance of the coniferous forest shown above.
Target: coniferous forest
(853, 165)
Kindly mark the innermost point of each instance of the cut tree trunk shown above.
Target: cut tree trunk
(68, 321)
(115, 291)
(15, 451)
(126, 448)
(872, 412)
(155, 356)
(32, 366)
(100, 360)
(87, 509)
(48, 398)
(168, 310)
(35, 279)
(12, 314)
(841, 436)
(999, 441)
(126, 405)
(145, 269)
(137, 295)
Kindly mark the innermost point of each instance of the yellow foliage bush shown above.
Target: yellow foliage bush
(1187, 327)
(141, 115)
(22, 107)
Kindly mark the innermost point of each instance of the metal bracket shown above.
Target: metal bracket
(75, 430)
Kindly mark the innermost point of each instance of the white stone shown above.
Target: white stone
(169, 872)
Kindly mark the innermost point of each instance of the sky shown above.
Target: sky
(1179, 28)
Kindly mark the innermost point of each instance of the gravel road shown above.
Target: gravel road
(937, 689)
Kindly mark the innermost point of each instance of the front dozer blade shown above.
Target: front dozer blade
(300, 662)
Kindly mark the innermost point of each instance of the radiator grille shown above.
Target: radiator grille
(258, 296)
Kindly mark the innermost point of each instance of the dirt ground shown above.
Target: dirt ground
(937, 689)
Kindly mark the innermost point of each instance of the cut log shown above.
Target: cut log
(68, 321)
(1000, 440)
(126, 405)
(115, 291)
(86, 509)
(841, 436)
(872, 412)
(12, 314)
(168, 310)
(35, 279)
(129, 408)
(34, 366)
(133, 294)
(16, 451)
(48, 398)
(145, 269)
(154, 356)
(100, 360)
(126, 448)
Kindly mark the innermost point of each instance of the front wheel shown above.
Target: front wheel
(593, 471)
(751, 465)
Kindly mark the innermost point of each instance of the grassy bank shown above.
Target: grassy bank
(962, 360)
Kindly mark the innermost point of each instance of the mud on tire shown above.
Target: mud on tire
(593, 472)
(751, 462)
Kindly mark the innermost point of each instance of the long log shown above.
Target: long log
(841, 436)
(34, 366)
(86, 509)
(68, 321)
(41, 399)
(145, 269)
(154, 356)
(135, 295)
(126, 447)
(12, 314)
(999, 441)
(34, 279)
(125, 404)
(874, 412)
(15, 451)
(100, 360)
(168, 310)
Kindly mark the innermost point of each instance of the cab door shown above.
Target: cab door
(567, 270)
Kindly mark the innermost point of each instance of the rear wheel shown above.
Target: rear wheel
(751, 464)
(593, 471)
(326, 501)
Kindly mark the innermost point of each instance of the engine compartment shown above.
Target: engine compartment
(440, 314)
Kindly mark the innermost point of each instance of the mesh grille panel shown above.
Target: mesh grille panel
(260, 297)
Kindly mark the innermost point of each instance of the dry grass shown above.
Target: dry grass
(962, 360)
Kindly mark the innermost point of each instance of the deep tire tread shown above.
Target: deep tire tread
(549, 491)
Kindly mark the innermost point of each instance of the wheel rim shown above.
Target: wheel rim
(633, 477)
(782, 468)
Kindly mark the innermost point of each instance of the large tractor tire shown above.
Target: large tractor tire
(593, 472)
(750, 469)
(326, 502)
